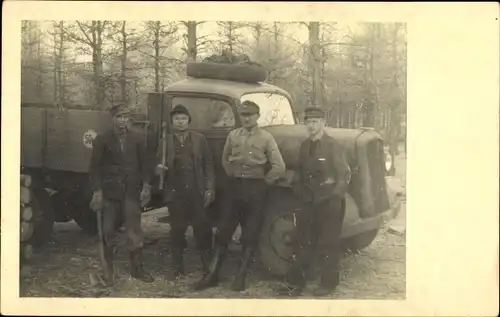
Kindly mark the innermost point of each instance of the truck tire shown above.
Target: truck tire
(43, 215)
(83, 215)
(278, 235)
(360, 241)
(232, 72)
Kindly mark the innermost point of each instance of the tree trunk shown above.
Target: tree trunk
(192, 46)
(369, 98)
(156, 44)
(61, 81)
(55, 72)
(315, 63)
(123, 75)
(395, 119)
(97, 61)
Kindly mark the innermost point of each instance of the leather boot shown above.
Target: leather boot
(109, 274)
(177, 264)
(295, 281)
(327, 285)
(136, 269)
(205, 261)
(212, 278)
(240, 277)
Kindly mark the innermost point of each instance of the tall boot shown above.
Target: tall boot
(330, 276)
(205, 261)
(295, 281)
(240, 277)
(212, 278)
(136, 269)
(177, 263)
(109, 274)
(327, 285)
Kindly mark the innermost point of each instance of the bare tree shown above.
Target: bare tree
(315, 62)
(90, 35)
(59, 58)
(159, 36)
(230, 37)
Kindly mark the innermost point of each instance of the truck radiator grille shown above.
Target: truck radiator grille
(376, 162)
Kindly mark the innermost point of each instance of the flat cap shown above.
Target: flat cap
(248, 107)
(180, 109)
(313, 112)
(119, 109)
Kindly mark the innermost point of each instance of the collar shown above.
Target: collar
(317, 137)
(252, 131)
(181, 135)
(120, 132)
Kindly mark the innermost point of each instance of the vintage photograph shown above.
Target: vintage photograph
(213, 159)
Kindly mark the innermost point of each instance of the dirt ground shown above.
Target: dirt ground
(61, 269)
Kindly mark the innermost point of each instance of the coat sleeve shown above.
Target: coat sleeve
(145, 161)
(225, 155)
(340, 168)
(299, 173)
(95, 164)
(208, 165)
(275, 159)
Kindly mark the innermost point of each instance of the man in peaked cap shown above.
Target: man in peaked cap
(247, 154)
(189, 189)
(322, 179)
(120, 171)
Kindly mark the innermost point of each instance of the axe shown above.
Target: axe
(163, 154)
(102, 243)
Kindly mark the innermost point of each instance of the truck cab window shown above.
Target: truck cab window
(275, 109)
(207, 113)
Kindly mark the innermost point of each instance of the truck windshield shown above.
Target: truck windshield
(207, 113)
(275, 109)
(211, 113)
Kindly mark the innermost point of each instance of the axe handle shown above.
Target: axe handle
(163, 155)
(104, 263)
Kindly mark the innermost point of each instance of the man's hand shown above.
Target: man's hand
(209, 197)
(160, 169)
(145, 195)
(97, 201)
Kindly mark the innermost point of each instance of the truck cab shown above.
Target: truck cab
(212, 104)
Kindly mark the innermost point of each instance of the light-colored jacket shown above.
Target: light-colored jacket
(252, 154)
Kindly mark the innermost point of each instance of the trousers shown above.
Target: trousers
(129, 211)
(319, 229)
(188, 210)
(243, 203)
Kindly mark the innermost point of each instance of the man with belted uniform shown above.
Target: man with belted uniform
(189, 190)
(252, 162)
(120, 172)
(322, 179)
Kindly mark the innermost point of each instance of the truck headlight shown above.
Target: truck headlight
(388, 161)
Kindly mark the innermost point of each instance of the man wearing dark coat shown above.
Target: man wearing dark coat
(120, 171)
(321, 183)
(189, 188)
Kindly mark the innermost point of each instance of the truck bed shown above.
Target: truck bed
(59, 139)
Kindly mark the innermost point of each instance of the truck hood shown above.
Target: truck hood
(290, 137)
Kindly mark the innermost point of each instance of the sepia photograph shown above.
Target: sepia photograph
(249, 159)
(213, 159)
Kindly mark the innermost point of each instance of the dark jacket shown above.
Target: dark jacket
(324, 174)
(203, 164)
(116, 172)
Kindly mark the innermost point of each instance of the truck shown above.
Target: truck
(56, 145)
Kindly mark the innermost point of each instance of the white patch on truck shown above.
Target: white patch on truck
(88, 137)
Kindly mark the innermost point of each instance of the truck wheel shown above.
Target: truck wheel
(278, 236)
(83, 215)
(360, 241)
(43, 215)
